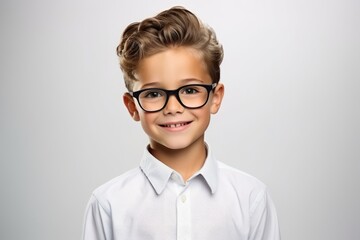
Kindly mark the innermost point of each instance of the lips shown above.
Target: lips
(174, 125)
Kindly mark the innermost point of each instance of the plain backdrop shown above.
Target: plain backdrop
(290, 116)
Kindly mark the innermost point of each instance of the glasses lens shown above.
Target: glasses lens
(152, 99)
(193, 96)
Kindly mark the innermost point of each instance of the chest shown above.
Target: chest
(191, 212)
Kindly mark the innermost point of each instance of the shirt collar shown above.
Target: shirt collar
(158, 173)
(209, 170)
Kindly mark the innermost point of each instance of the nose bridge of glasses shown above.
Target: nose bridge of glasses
(172, 95)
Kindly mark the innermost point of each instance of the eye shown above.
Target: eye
(190, 90)
(152, 94)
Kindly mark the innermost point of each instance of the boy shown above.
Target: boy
(171, 65)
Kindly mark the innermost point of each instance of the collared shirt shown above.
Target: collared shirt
(154, 203)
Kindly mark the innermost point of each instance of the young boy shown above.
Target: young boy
(171, 66)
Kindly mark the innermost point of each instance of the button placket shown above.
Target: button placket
(184, 216)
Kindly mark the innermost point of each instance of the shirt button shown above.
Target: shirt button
(183, 198)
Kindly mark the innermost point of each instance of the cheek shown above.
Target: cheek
(147, 119)
(203, 115)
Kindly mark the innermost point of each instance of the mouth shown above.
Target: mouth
(174, 125)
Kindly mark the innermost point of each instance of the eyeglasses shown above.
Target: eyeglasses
(190, 96)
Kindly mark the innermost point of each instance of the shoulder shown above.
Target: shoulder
(242, 183)
(117, 187)
(234, 174)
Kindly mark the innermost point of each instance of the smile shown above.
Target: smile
(175, 125)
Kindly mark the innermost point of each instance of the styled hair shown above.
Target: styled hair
(175, 27)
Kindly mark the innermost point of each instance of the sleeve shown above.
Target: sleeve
(263, 219)
(97, 222)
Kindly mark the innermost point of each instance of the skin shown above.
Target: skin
(181, 148)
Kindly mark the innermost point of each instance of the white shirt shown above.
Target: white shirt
(154, 203)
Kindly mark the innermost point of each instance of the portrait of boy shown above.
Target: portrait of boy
(171, 67)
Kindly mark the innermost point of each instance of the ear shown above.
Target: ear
(131, 107)
(217, 97)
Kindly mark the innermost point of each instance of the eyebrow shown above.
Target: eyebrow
(183, 81)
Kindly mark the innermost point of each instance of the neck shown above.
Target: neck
(185, 161)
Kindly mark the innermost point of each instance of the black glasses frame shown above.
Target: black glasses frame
(175, 93)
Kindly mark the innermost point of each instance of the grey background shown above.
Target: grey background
(290, 115)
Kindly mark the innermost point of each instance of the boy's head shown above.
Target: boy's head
(176, 27)
(171, 65)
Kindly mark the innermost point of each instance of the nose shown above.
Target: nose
(173, 106)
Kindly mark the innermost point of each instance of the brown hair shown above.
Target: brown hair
(170, 28)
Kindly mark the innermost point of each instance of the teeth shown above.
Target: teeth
(174, 125)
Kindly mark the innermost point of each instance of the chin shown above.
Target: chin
(176, 145)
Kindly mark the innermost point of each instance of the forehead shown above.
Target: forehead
(172, 67)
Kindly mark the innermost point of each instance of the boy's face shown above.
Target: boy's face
(174, 127)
